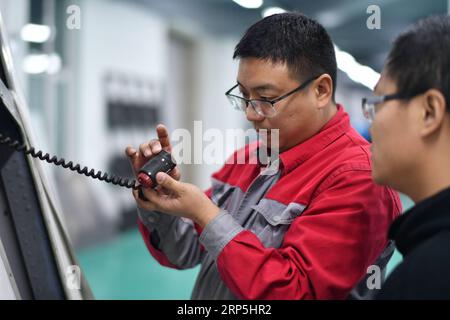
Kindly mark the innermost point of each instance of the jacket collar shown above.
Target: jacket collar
(421, 222)
(336, 127)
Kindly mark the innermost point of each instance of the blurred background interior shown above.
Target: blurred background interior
(99, 75)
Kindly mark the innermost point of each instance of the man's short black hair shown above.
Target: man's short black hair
(420, 58)
(292, 38)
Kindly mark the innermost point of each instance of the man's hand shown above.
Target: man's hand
(182, 199)
(149, 149)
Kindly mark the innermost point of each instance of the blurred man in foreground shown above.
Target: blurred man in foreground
(411, 153)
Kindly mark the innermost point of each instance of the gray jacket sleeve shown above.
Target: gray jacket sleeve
(176, 237)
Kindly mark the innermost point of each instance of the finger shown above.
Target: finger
(168, 193)
(145, 150)
(163, 137)
(130, 151)
(138, 195)
(175, 173)
(146, 205)
(168, 182)
(161, 191)
(152, 196)
(133, 156)
(155, 146)
(136, 158)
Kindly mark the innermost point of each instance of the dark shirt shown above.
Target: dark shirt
(422, 235)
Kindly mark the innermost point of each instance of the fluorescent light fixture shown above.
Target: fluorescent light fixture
(356, 71)
(54, 64)
(249, 4)
(272, 10)
(35, 33)
(40, 63)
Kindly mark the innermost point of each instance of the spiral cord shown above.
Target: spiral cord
(16, 145)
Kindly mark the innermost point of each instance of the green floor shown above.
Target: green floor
(123, 269)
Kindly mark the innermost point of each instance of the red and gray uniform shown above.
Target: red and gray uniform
(309, 230)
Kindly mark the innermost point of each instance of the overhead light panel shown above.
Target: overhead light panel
(249, 4)
(40, 63)
(271, 11)
(35, 33)
(357, 72)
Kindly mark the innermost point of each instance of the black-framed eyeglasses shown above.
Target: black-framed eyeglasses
(369, 103)
(263, 107)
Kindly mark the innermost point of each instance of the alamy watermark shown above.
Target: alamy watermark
(73, 21)
(73, 277)
(374, 20)
(211, 146)
(373, 281)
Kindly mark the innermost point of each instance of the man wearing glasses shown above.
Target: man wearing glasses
(410, 115)
(308, 230)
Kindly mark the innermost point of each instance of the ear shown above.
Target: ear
(433, 112)
(323, 90)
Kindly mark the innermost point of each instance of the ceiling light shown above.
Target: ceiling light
(356, 71)
(40, 63)
(35, 33)
(271, 11)
(249, 4)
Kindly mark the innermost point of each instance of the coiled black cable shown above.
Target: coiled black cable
(14, 144)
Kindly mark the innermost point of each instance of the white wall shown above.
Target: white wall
(217, 73)
(15, 16)
(120, 37)
(141, 46)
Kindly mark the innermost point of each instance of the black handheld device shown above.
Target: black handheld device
(162, 162)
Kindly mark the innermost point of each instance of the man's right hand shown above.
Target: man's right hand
(148, 150)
